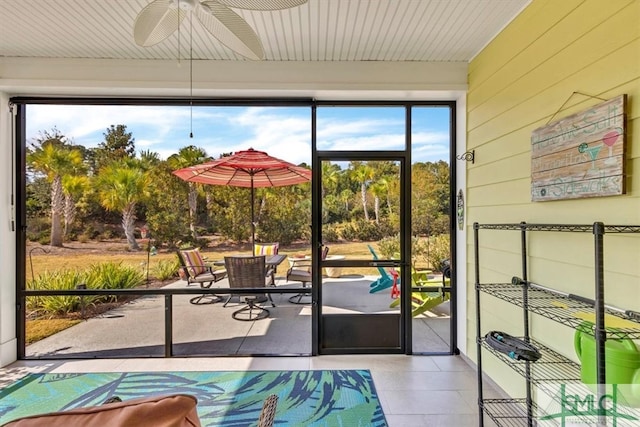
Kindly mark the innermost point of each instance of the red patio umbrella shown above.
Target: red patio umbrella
(249, 168)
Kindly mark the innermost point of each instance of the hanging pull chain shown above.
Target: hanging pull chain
(191, 75)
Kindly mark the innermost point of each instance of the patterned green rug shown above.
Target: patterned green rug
(305, 398)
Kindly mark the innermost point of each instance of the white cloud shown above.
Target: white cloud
(283, 132)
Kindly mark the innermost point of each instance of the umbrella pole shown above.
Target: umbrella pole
(253, 224)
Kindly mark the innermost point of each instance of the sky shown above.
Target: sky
(283, 132)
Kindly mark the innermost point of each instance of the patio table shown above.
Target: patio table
(270, 260)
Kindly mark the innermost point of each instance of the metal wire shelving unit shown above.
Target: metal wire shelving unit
(552, 368)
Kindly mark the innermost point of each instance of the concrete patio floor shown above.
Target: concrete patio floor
(136, 329)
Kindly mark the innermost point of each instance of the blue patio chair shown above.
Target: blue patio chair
(385, 280)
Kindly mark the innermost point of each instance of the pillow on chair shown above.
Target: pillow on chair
(178, 410)
(194, 262)
(266, 248)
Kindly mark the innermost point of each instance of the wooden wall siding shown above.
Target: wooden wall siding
(516, 84)
(544, 49)
(533, 88)
(507, 101)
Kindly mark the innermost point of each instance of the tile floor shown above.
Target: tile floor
(438, 391)
(413, 390)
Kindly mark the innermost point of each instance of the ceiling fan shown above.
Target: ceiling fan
(161, 18)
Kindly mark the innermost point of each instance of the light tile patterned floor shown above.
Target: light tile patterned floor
(414, 390)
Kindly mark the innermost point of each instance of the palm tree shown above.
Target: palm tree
(379, 188)
(121, 186)
(330, 177)
(345, 197)
(190, 156)
(73, 186)
(55, 159)
(363, 174)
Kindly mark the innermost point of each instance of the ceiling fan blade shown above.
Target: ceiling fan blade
(155, 22)
(263, 4)
(230, 29)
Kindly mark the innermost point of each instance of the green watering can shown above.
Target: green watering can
(622, 364)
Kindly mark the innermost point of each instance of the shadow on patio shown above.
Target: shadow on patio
(137, 329)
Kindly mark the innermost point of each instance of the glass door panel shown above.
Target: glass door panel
(361, 208)
(431, 309)
(361, 128)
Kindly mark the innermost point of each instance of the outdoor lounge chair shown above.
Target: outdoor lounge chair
(384, 281)
(424, 301)
(248, 272)
(301, 272)
(193, 269)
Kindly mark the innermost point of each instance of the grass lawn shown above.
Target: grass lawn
(78, 259)
(38, 329)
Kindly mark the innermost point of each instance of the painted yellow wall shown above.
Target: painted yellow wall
(517, 84)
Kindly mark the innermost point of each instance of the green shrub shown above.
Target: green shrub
(108, 234)
(107, 275)
(165, 269)
(283, 224)
(389, 247)
(363, 230)
(90, 232)
(39, 229)
(330, 233)
(430, 251)
(169, 227)
(367, 230)
(60, 304)
(348, 231)
(439, 249)
(112, 275)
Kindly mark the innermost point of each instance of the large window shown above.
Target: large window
(103, 211)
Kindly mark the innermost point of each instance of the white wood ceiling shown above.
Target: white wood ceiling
(321, 30)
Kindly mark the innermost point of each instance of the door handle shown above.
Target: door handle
(383, 264)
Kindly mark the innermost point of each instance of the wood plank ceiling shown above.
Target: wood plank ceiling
(320, 30)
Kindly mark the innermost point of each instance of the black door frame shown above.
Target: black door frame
(405, 243)
(320, 321)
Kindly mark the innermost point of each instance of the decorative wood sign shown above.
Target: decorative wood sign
(460, 209)
(581, 155)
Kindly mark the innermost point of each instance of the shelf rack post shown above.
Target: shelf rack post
(476, 262)
(525, 313)
(600, 331)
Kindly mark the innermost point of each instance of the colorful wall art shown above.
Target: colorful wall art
(581, 155)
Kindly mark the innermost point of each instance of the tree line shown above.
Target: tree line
(111, 191)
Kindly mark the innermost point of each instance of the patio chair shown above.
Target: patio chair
(384, 281)
(267, 249)
(193, 269)
(424, 301)
(301, 272)
(248, 272)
